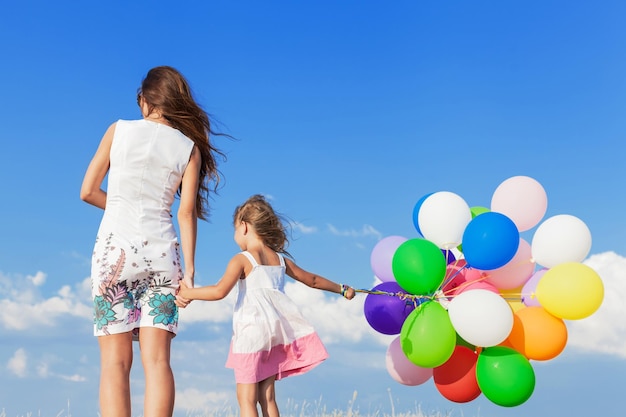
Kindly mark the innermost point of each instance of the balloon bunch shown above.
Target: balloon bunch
(472, 302)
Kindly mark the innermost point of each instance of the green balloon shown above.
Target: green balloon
(505, 376)
(476, 210)
(427, 337)
(419, 266)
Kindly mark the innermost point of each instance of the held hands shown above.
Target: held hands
(183, 290)
(347, 291)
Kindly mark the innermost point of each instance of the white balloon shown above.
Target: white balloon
(442, 219)
(481, 317)
(559, 239)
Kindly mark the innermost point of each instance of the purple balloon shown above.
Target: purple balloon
(381, 257)
(386, 313)
(529, 298)
(447, 253)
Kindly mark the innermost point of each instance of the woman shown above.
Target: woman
(136, 266)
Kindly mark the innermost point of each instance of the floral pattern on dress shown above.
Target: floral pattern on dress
(132, 296)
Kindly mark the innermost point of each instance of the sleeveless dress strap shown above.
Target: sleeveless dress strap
(254, 262)
(250, 258)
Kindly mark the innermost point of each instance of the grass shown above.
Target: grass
(317, 409)
(291, 409)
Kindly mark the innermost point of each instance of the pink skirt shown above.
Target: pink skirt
(298, 357)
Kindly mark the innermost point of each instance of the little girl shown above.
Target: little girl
(271, 339)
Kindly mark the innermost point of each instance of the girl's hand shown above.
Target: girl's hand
(181, 300)
(350, 293)
(347, 291)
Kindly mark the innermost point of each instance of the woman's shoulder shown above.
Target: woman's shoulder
(130, 122)
(124, 123)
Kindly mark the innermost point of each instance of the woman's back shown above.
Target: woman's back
(148, 160)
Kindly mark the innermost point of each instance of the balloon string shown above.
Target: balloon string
(484, 276)
(409, 298)
(465, 284)
(449, 278)
(418, 299)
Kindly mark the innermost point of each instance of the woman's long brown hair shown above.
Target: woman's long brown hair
(165, 89)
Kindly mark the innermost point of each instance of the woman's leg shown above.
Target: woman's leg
(155, 355)
(247, 396)
(116, 359)
(267, 397)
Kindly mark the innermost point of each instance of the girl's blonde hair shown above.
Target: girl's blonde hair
(268, 225)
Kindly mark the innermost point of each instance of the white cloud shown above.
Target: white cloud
(73, 378)
(220, 311)
(336, 319)
(307, 230)
(17, 364)
(365, 231)
(19, 316)
(605, 330)
(38, 279)
(83, 290)
(43, 370)
(209, 402)
(24, 308)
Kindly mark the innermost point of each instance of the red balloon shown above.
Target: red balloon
(456, 378)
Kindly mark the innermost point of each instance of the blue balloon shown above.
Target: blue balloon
(490, 241)
(416, 211)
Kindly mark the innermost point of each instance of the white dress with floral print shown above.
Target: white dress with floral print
(136, 265)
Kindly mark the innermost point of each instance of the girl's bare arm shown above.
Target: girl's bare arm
(234, 271)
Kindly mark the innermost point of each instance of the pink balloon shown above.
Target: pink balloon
(522, 199)
(516, 272)
(381, 257)
(460, 278)
(529, 298)
(401, 369)
(477, 285)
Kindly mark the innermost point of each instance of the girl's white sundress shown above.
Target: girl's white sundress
(136, 265)
(270, 335)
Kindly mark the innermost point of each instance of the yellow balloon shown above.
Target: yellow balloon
(514, 298)
(570, 290)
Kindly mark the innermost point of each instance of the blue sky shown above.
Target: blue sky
(345, 113)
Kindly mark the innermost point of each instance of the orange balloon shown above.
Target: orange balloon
(506, 342)
(537, 334)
